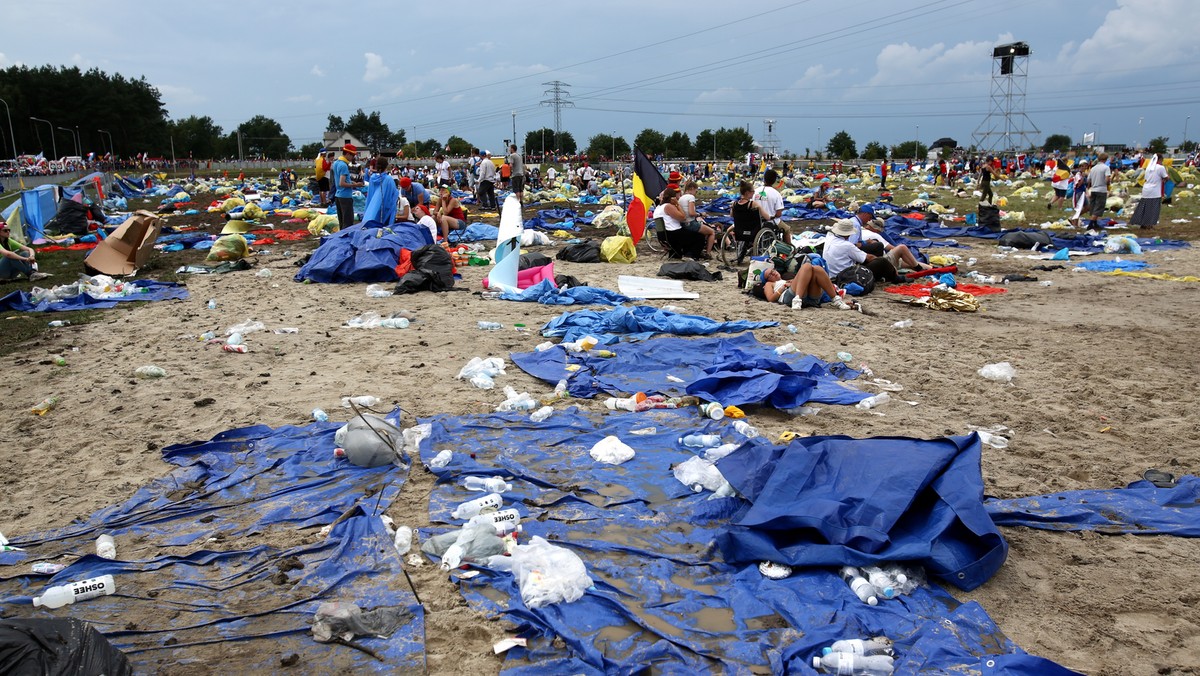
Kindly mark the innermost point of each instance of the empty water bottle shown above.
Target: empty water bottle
(490, 326)
(58, 323)
(712, 409)
(879, 645)
(150, 371)
(880, 581)
(902, 324)
(57, 597)
(543, 346)
(491, 484)
(105, 547)
(489, 502)
(745, 429)
(366, 401)
(44, 406)
(442, 459)
(542, 414)
(855, 665)
(874, 401)
(787, 348)
(700, 440)
(319, 415)
(504, 521)
(212, 303)
(863, 589)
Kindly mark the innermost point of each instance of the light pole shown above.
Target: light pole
(1185, 121)
(1140, 132)
(917, 145)
(110, 145)
(73, 138)
(818, 143)
(15, 138)
(514, 136)
(614, 144)
(53, 143)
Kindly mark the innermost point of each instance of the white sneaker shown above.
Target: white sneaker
(797, 303)
(840, 304)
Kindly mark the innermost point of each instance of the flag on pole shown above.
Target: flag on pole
(646, 181)
(1089, 137)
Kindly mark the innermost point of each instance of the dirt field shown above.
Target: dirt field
(1104, 390)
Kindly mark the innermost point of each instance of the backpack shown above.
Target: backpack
(857, 274)
(785, 259)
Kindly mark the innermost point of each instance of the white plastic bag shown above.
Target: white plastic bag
(611, 450)
(548, 574)
(378, 291)
(481, 371)
(1000, 373)
(698, 474)
(248, 326)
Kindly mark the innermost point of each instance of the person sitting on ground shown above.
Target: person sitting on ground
(416, 194)
(820, 199)
(450, 214)
(841, 254)
(404, 212)
(805, 290)
(873, 242)
(16, 259)
(674, 218)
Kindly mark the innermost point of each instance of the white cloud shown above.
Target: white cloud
(184, 96)
(721, 95)
(301, 98)
(5, 63)
(818, 76)
(1144, 33)
(375, 68)
(316, 70)
(485, 46)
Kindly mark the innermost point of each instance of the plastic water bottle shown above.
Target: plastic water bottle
(105, 547)
(57, 597)
(59, 323)
(856, 665)
(47, 568)
(366, 401)
(491, 484)
(879, 645)
(712, 409)
(882, 584)
(490, 326)
(874, 401)
(504, 521)
(543, 346)
(150, 371)
(319, 415)
(845, 356)
(859, 585)
(541, 414)
(792, 328)
(442, 459)
(745, 429)
(394, 323)
(701, 440)
(489, 502)
(212, 303)
(787, 348)
(403, 540)
(902, 324)
(208, 335)
(45, 406)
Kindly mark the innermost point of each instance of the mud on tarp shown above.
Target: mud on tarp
(662, 594)
(737, 370)
(213, 577)
(1140, 508)
(21, 301)
(639, 322)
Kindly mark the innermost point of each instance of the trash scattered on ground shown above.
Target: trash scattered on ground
(1002, 372)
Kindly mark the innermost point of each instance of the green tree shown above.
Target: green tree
(198, 136)
(733, 143)
(602, 145)
(842, 146)
(261, 137)
(539, 139)
(566, 143)
(457, 146)
(373, 131)
(1158, 144)
(336, 124)
(678, 145)
(427, 148)
(1058, 142)
(1187, 146)
(905, 150)
(874, 150)
(309, 150)
(704, 145)
(651, 142)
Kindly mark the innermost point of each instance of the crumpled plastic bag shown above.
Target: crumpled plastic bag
(698, 474)
(341, 620)
(1002, 372)
(229, 248)
(232, 203)
(611, 450)
(548, 574)
(611, 217)
(252, 212)
(618, 250)
(323, 225)
(534, 238)
(371, 441)
(248, 326)
(480, 372)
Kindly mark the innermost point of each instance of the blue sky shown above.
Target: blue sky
(880, 70)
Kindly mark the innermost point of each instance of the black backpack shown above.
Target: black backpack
(857, 274)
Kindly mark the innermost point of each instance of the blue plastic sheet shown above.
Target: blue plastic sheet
(475, 232)
(899, 229)
(20, 301)
(548, 294)
(1110, 266)
(363, 253)
(556, 214)
(661, 594)
(380, 208)
(639, 322)
(735, 371)
(1140, 508)
(194, 570)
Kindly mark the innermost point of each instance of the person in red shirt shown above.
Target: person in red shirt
(450, 213)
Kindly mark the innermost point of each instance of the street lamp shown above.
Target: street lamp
(917, 145)
(1185, 121)
(110, 145)
(818, 141)
(53, 143)
(14, 138)
(614, 144)
(1140, 132)
(73, 138)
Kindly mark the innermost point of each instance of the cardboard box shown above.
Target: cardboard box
(127, 249)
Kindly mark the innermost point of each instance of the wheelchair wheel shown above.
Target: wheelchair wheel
(727, 247)
(653, 243)
(763, 242)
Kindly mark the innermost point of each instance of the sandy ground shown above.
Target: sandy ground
(1105, 389)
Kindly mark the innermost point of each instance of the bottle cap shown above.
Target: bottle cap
(824, 651)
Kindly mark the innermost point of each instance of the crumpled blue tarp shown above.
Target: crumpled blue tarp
(20, 301)
(363, 253)
(700, 366)
(826, 501)
(556, 214)
(1109, 266)
(898, 227)
(639, 322)
(661, 594)
(1141, 508)
(546, 293)
(475, 232)
(192, 567)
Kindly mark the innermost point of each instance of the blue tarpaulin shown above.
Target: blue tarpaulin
(899, 229)
(194, 569)
(639, 322)
(363, 253)
(20, 301)
(547, 293)
(38, 206)
(1110, 266)
(735, 371)
(382, 195)
(1140, 508)
(475, 232)
(661, 594)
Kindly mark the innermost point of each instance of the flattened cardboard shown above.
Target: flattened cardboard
(128, 248)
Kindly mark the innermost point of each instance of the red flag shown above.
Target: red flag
(636, 218)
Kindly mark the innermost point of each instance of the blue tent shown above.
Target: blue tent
(363, 253)
(38, 206)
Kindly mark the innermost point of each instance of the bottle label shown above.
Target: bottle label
(89, 589)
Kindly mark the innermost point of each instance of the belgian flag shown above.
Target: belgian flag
(646, 182)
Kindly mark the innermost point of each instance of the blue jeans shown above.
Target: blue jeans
(10, 269)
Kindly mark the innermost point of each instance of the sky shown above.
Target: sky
(886, 71)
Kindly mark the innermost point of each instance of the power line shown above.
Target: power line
(559, 102)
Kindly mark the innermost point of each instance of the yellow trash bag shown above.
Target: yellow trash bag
(252, 212)
(323, 225)
(306, 214)
(611, 217)
(618, 250)
(229, 248)
(223, 191)
(232, 203)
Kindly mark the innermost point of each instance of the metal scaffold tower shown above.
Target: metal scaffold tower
(1006, 126)
(770, 141)
(557, 90)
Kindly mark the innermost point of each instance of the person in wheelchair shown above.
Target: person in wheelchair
(749, 216)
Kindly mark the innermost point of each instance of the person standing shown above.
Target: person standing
(883, 172)
(518, 172)
(1146, 213)
(442, 166)
(343, 194)
(986, 170)
(487, 182)
(772, 202)
(1098, 179)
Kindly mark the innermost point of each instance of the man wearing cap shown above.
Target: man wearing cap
(416, 194)
(343, 192)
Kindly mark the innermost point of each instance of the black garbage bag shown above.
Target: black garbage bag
(433, 270)
(31, 647)
(688, 270)
(584, 252)
(567, 281)
(70, 219)
(533, 260)
(1024, 239)
(989, 216)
